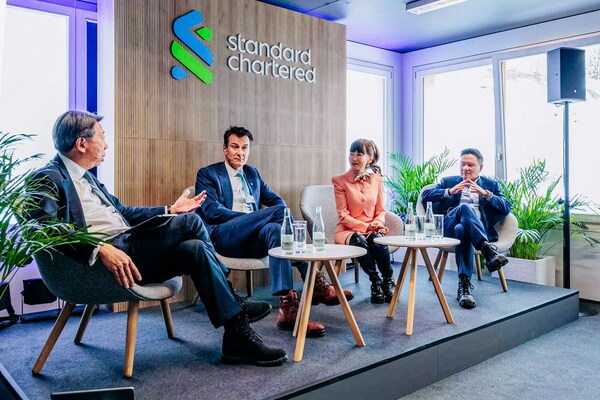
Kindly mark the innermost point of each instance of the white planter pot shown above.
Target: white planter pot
(540, 271)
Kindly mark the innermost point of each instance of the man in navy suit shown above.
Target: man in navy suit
(174, 243)
(239, 227)
(472, 205)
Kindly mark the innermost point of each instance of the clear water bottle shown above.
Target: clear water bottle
(429, 222)
(318, 234)
(287, 232)
(409, 223)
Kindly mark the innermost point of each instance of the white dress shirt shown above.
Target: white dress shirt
(101, 217)
(241, 203)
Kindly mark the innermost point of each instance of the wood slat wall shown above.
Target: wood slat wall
(165, 130)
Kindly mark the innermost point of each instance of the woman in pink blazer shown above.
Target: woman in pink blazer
(359, 202)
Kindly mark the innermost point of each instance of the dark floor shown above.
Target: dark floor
(189, 367)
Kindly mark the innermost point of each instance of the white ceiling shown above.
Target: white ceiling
(386, 23)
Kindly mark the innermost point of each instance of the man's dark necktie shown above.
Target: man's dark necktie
(96, 189)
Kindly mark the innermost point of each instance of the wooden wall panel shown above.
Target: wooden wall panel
(166, 129)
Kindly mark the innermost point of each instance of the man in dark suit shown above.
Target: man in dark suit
(174, 242)
(239, 227)
(472, 205)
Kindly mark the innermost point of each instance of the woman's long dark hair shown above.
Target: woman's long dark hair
(368, 147)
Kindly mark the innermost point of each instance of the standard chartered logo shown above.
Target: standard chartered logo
(182, 27)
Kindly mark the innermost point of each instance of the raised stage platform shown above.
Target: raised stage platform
(391, 364)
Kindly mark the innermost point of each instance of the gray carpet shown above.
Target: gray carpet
(189, 367)
(562, 365)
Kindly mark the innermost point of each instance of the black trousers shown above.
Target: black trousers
(377, 255)
(182, 246)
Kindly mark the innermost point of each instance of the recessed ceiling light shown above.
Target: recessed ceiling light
(423, 6)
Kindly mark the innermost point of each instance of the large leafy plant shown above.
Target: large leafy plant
(539, 210)
(408, 178)
(20, 236)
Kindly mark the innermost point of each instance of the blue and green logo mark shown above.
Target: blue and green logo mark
(182, 27)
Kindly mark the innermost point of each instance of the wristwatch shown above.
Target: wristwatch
(488, 194)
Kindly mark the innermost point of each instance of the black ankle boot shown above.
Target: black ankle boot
(387, 287)
(241, 345)
(465, 293)
(493, 260)
(376, 293)
(256, 310)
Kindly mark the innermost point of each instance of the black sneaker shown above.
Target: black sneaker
(493, 260)
(256, 310)
(465, 294)
(376, 293)
(241, 345)
(387, 288)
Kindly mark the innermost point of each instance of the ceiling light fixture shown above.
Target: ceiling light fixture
(423, 6)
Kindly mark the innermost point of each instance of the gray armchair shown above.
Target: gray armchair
(237, 264)
(76, 283)
(314, 196)
(507, 233)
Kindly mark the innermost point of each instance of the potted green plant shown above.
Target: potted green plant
(408, 178)
(539, 210)
(22, 237)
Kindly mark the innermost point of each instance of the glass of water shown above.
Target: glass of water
(438, 220)
(300, 237)
(419, 227)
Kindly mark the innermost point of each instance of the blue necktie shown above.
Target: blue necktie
(246, 190)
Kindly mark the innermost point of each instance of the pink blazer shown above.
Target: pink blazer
(358, 204)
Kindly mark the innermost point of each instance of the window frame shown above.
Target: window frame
(496, 59)
(387, 72)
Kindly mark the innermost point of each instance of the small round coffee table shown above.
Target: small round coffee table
(331, 258)
(411, 252)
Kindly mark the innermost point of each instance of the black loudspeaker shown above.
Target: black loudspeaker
(35, 292)
(566, 75)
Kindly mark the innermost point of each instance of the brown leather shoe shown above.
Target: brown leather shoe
(288, 310)
(324, 292)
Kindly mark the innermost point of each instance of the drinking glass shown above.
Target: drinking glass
(419, 227)
(299, 236)
(438, 220)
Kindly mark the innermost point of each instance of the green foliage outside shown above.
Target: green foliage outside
(540, 210)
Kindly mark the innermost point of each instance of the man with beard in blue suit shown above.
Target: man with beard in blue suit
(472, 205)
(240, 228)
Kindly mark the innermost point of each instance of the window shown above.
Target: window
(534, 127)
(458, 112)
(43, 75)
(35, 77)
(368, 102)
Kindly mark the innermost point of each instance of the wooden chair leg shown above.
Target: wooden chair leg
(196, 299)
(478, 266)
(85, 319)
(132, 316)
(59, 325)
(249, 283)
(166, 311)
(502, 280)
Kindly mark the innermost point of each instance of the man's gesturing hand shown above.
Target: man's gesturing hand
(120, 264)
